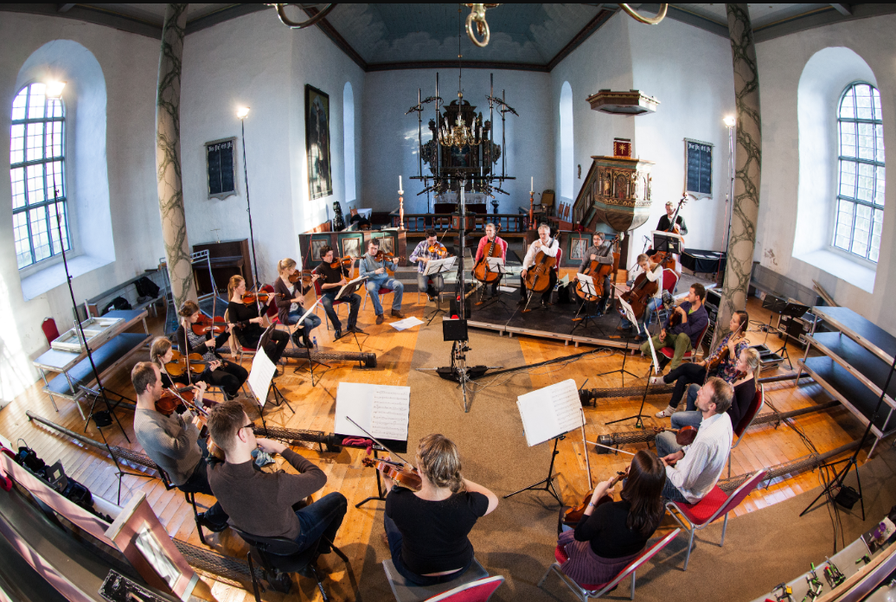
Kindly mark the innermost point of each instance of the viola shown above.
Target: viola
(306, 276)
(575, 514)
(683, 436)
(438, 249)
(178, 364)
(170, 401)
(721, 353)
(383, 256)
(402, 474)
(205, 325)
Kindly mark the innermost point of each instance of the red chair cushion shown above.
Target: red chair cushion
(700, 512)
(670, 353)
(384, 291)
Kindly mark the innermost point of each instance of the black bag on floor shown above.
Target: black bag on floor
(146, 287)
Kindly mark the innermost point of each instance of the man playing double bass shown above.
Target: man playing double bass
(601, 252)
(500, 250)
(550, 247)
(665, 223)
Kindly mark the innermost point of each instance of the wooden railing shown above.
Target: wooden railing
(508, 223)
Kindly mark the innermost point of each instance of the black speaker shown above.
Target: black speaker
(454, 308)
(454, 330)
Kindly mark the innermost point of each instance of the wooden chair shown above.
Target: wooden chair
(585, 591)
(405, 591)
(747, 419)
(693, 517)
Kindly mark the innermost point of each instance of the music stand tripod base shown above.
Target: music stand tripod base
(546, 484)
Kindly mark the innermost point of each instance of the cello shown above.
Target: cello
(643, 289)
(538, 276)
(598, 271)
(481, 271)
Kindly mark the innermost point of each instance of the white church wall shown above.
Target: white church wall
(255, 61)
(130, 65)
(390, 137)
(781, 64)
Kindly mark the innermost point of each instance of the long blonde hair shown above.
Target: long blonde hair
(233, 284)
(285, 264)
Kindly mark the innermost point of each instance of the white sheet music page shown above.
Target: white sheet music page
(260, 377)
(550, 412)
(381, 409)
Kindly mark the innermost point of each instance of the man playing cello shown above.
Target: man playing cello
(550, 247)
(601, 252)
(500, 250)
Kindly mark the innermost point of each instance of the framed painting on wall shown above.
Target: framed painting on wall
(578, 244)
(317, 142)
(352, 245)
(387, 243)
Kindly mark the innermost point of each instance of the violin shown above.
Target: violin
(262, 297)
(683, 436)
(345, 262)
(205, 325)
(178, 364)
(438, 249)
(721, 354)
(575, 514)
(170, 401)
(404, 475)
(383, 256)
(306, 276)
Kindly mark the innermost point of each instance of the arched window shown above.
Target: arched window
(348, 125)
(566, 142)
(859, 213)
(37, 168)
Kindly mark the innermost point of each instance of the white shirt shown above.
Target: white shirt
(704, 459)
(656, 275)
(549, 249)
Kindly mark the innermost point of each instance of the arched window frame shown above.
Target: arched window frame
(567, 142)
(348, 140)
(859, 203)
(36, 170)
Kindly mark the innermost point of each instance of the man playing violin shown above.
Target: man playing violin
(291, 301)
(248, 318)
(654, 273)
(693, 470)
(491, 236)
(601, 252)
(427, 249)
(695, 372)
(550, 247)
(218, 371)
(685, 333)
(173, 442)
(378, 278)
(270, 504)
(333, 279)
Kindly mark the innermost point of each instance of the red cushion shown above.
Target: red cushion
(670, 353)
(700, 512)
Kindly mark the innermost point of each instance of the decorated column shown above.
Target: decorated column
(748, 159)
(168, 168)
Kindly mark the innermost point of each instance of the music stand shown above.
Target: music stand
(310, 359)
(590, 288)
(630, 315)
(775, 305)
(436, 267)
(493, 265)
(670, 242)
(639, 424)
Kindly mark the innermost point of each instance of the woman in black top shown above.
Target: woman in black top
(428, 529)
(290, 302)
(218, 371)
(161, 352)
(247, 320)
(612, 534)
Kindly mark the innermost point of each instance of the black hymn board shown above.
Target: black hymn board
(699, 166)
(221, 168)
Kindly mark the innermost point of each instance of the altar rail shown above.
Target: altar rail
(419, 222)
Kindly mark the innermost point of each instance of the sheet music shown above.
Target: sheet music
(306, 314)
(587, 283)
(406, 323)
(351, 285)
(550, 412)
(496, 265)
(629, 312)
(381, 409)
(260, 377)
(656, 364)
(435, 266)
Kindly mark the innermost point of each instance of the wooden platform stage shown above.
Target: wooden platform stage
(314, 409)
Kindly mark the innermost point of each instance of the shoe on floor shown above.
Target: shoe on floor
(667, 413)
(639, 339)
(379, 318)
(338, 335)
(397, 314)
(623, 328)
(207, 524)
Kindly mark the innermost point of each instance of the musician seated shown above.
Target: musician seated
(427, 249)
(549, 246)
(610, 535)
(491, 236)
(291, 303)
(692, 470)
(173, 442)
(427, 529)
(684, 334)
(333, 279)
(732, 345)
(248, 319)
(377, 278)
(270, 504)
(601, 252)
(745, 386)
(161, 353)
(653, 272)
(218, 371)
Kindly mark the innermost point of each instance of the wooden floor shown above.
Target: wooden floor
(314, 409)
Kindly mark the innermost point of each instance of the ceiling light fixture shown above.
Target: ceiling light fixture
(477, 15)
(295, 25)
(642, 19)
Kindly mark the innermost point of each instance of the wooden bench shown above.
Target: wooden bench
(95, 305)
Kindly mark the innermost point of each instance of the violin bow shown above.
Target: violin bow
(584, 442)
(380, 443)
(610, 448)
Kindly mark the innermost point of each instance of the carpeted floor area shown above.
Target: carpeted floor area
(517, 540)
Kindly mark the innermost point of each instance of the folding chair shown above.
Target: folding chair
(747, 419)
(237, 351)
(693, 517)
(670, 280)
(320, 293)
(475, 591)
(585, 591)
(382, 291)
(405, 591)
(689, 355)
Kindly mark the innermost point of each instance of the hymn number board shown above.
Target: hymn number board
(221, 168)
(699, 167)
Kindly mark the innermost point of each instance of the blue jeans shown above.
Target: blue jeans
(665, 445)
(321, 519)
(373, 289)
(438, 282)
(690, 418)
(395, 539)
(648, 316)
(310, 323)
(354, 301)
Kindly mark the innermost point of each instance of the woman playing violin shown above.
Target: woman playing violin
(290, 301)
(427, 529)
(248, 320)
(731, 346)
(611, 535)
(161, 353)
(218, 371)
(426, 250)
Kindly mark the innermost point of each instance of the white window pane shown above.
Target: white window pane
(37, 102)
(847, 106)
(19, 105)
(17, 144)
(877, 110)
(34, 145)
(863, 102)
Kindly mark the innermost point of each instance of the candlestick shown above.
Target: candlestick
(400, 207)
(532, 184)
(531, 207)
(399, 183)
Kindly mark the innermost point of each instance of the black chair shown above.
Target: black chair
(190, 497)
(279, 556)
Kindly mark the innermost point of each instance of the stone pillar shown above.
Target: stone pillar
(748, 159)
(168, 168)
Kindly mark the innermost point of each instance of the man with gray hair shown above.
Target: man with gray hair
(693, 470)
(550, 247)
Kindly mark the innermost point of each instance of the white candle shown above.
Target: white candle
(399, 183)
(532, 184)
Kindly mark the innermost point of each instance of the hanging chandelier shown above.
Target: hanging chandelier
(460, 135)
